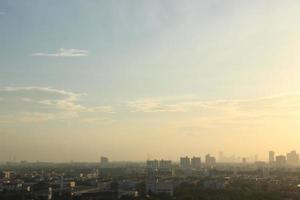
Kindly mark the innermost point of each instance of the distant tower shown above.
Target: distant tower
(280, 161)
(210, 161)
(104, 162)
(271, 157)
(152, 165)
(292, 158)
(196, 163)
(165, 164)
(221, 156)
(185, 163)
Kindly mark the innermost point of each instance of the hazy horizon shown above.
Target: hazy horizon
(133, 80)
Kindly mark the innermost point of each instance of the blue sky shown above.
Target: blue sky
(144, 70)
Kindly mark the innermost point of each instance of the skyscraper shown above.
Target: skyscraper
(152, 164)
(292, 158)
(271, 157)
(196, 163)
(280, 161)
(210, 161)
(165, 164)
(221, 157)
(185, 163)
(104, 161)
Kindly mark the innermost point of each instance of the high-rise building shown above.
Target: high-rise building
(152, 164)
(165, 168)
(271, 157)
(104, 162)
(152, 168)
(185, 163)
(280, 161)
(196, 163)
(165, 164)
(210, 161)
(292, 158)
(221, 157)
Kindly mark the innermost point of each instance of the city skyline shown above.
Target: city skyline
(130, 80)
(187, 159)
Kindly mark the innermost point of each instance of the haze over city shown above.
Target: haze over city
(136, 80)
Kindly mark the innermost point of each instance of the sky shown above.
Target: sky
(148, 79)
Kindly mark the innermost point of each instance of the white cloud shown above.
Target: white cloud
(159, 104)
(29, 104)
(26, 99)
(62, 52)
(237, 109)
(194, 116)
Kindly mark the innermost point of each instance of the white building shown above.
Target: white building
(185, 163)
(196, 163)
(210, 161)
(104, 162)
(152, 164)
(292, 158)
(165, 164)
(271, 157)
(280, 161)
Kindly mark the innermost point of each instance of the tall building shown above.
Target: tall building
(280, 161)
(221, 157)
(271, 157)
(155, 179)
(196, 163)
(165, 164)
(152, 168)
(185, 163)
(104, 162)
(210, 161)
(292, 158)
(152, 164)
(162, 168)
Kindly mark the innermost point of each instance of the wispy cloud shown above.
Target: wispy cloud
(197, 116)
(30, 104)
(43, 103)
(62, 52)
(272, 106)
(160, 104)
(2, 13)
